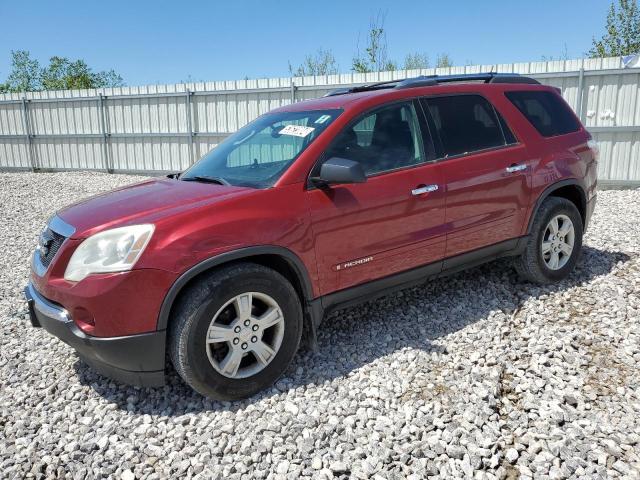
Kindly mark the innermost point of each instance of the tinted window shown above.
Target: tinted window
(386, 139)
(547, 112)
(466, 123)
(260, 152)
(509, 137)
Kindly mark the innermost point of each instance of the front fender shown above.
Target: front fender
(235, 255)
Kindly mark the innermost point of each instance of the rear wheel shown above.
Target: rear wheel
(235, 331)
(555, 242)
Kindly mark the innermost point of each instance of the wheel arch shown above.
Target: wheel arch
(569, 189)
(282, 260)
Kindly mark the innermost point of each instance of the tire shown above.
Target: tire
(535, 266)
(201, 364)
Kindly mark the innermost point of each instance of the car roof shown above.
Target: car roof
(353, 97)
(381, 95)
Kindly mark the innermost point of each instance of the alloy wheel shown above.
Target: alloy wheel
(557, 242)
(245, 335)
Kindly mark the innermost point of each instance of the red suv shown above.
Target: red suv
(314, 206)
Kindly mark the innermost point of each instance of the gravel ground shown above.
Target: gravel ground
(473, 376)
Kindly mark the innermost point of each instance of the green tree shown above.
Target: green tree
(25, 73)
(60, 74)
(63, 74)
(623, 31)
(375, 57)
(323, 62)
(443, 61)
(416, 61)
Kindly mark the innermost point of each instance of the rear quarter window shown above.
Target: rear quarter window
(547, 112)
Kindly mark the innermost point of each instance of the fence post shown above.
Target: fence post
(580, 94)
(189, 125)
(27, 132)
(293, 91)
(105, 134)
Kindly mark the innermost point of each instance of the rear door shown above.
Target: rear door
(485, 171)
(393, 221)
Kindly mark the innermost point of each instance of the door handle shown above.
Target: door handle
(515, 168)
(424, 189)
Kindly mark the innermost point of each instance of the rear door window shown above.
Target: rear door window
(467, 123)
(547, 112)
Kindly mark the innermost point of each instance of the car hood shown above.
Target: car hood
(144, 202)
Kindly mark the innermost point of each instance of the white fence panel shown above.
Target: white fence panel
(14, 154)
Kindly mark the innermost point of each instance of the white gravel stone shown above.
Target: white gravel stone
(127, 475)
(476, 375)
(512, 455)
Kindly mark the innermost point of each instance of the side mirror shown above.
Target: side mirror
(340, 170)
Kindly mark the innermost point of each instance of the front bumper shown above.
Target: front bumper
(132, 359)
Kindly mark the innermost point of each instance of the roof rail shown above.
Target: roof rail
(432, 80)
(363, 88)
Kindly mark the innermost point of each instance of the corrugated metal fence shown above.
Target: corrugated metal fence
(167, 127)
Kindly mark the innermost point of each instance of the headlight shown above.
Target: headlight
(114, 250)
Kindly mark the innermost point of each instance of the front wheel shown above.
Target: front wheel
(235, 331)
(554, 244)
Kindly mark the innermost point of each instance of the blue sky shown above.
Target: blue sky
(165, 42)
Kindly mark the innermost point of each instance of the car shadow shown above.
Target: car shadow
(446, 305)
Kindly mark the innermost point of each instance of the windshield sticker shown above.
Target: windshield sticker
(323, 119)
(296, 130)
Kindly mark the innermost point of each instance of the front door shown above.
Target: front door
(392, 222)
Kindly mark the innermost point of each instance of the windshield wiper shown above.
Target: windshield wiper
(206, 178)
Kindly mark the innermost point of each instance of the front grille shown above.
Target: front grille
(48, 245)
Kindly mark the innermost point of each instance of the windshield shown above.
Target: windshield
(260, 152)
